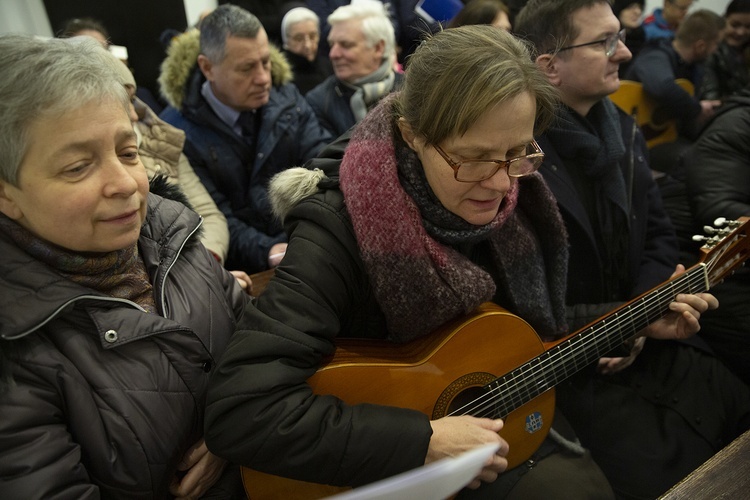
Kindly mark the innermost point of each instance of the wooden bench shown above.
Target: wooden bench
(726, 475)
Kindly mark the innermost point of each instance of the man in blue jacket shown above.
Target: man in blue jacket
(662, 23)
(231, 92)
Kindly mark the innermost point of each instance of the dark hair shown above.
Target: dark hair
(620, 5)
(737, 7)
(74, 26)
(479, 12)
(548, 24)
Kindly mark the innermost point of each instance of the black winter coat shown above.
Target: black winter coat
(725, 73)
(717, 169)
(652, 245)
(104, 398)
(302, 437)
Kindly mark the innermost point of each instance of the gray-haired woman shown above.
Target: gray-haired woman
(113, 313)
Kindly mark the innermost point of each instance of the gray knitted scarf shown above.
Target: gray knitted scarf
(369, 89)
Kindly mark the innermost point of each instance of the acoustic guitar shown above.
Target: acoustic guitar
(656, 128)
(455, 371)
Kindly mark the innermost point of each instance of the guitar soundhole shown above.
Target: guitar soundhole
(464, 396)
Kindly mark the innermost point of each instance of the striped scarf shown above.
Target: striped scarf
(121, 274)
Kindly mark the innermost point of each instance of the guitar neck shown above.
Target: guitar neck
(590, 343)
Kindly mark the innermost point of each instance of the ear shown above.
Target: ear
(8, 205)
(407, 133)
(206, 66)
(380, 49)
(549, 65)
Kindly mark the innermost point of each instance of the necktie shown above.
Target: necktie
(246, 121)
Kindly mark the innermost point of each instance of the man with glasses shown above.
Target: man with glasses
(622, 244)
(663, 23)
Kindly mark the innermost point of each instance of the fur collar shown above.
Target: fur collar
(181, 60)
(291, 186)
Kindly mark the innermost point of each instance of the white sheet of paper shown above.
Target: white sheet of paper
(435, 481)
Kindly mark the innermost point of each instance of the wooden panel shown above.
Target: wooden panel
(725, 475)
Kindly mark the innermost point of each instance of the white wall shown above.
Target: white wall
(24, 16)
(193, 8)
(29, 16)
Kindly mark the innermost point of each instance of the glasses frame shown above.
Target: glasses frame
(610, 43)
(456, 165)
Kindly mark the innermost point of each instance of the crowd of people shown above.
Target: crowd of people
(394, 174)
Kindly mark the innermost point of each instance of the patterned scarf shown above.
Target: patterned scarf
(405, 235)
(121, 274)
(369, 89)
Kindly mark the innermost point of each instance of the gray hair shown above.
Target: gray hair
(376, 23)
(225, 21)
(40, 78)
(294, 16)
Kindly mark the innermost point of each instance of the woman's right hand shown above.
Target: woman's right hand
(452, 436)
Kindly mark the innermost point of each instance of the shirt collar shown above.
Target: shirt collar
(225, 113)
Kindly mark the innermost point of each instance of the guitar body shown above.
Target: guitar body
(436, 375)
(632, 99)
(496, 358)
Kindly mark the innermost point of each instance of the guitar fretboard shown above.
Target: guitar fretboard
(518, 387)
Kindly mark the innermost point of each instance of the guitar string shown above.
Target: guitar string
(692, 281)
(517, 388)
(550, 362)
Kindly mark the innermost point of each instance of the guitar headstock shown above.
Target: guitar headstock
(726, 247)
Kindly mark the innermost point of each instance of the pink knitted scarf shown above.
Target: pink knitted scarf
(421, 283)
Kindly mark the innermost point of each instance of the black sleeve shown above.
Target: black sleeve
(262, 413)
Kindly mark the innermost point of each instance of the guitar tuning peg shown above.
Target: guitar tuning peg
(699, 237)
(710, 230)
(720, 221)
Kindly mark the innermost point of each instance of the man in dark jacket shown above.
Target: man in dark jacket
(718, 185)
(244, 122)
(363, 53)
(621, 245)
(663, 61)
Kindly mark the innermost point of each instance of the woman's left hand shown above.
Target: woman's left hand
(608, 366)
(203, 469)
(685, 311)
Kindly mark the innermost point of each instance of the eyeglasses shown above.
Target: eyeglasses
(610, 43)
(479, 170)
